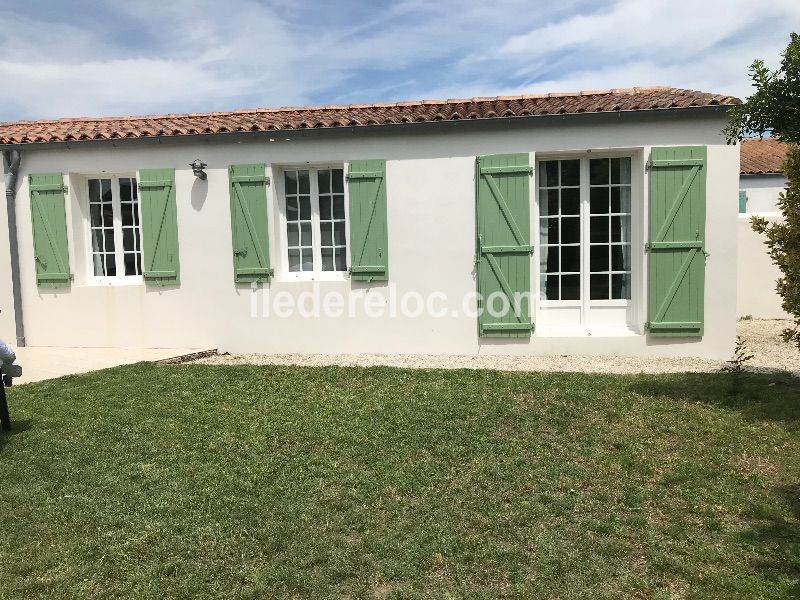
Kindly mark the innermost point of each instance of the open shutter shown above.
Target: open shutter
(159, 226)
(677, 236)
(742, 201)
(504, 243)
(369, 240)
(49, 219)
(248, 188)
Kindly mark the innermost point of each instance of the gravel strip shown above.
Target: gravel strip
(762, 338)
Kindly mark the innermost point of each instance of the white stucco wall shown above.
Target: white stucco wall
(756, 273)
(431, 220)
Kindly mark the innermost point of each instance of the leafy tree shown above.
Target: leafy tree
(774, 109)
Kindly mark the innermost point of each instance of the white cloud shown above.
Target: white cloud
(192, 57)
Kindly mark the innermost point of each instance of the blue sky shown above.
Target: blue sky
(93, 57)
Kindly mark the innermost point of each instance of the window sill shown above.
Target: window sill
(113, 282)
(312, 277)
(601, 332)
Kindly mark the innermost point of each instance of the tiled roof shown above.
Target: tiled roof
(357, 115)
(761, 156)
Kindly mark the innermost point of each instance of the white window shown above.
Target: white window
(585, 240)
(114, 228)
(315, 221)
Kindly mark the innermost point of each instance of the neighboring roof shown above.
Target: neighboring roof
(762, 156)
(357, 115)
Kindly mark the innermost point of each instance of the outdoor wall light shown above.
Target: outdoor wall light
(197, 168)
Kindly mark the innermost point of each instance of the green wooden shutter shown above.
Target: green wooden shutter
(49, 220)
(742, 201)
(369, 240)
(677, 237)
(249, 223)
(159, 226)
(504, 242)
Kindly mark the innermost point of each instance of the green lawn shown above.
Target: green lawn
(278, 482)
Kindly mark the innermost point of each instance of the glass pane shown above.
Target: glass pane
(550, 231)
(550, 287)
(598, 201)
(338, 206)
(305, 234)
(551, 264)
(570, 172)
(125, 189)
(571, 230)
(127, 214)
(111, 265)
(97, 241)
(570, 201)
(325, 212)
(551, 173)
(294, 260)
(290, 179)
(99, 265)
(598, 258)
(598, 230)
(570, 259)
(308, 260)
(305, 209)
(620, 286)
(620, 258)
(570, 287)
(341, 256)
(338, 234)
(293, 235)
(598, 171)
(620, 229)
(108, 240)
(291, 209)
(620, 199)
(127, 240)
(130, 264)
(620, 170)
(107, 214)
(305, 182)
(94, 190)
(326, 229)
(338, 181)
(598, 287)
(105, 189)
(544, 209)
(324, 181)
(94, 215)
(327, 259)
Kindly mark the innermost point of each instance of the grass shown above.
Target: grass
(277, 482)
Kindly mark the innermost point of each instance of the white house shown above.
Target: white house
(586, 223)
(760, 183)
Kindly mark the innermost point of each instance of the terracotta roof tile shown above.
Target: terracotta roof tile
(761, 156)
(356, 115)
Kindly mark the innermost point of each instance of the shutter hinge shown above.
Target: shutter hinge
(66, 189)
(267, 181)
(647, 165)
(647, 326)
(647, 247)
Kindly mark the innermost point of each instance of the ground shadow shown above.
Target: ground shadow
(758, 396)
(17, 427)
(780, 536)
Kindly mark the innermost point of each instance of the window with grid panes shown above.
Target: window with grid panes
(114, 225)
(584, 229)
(315, 220)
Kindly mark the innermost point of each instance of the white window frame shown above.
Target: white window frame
(116, 204)
(633, 306)
(282, 270)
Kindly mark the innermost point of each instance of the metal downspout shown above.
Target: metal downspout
(11, 160)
